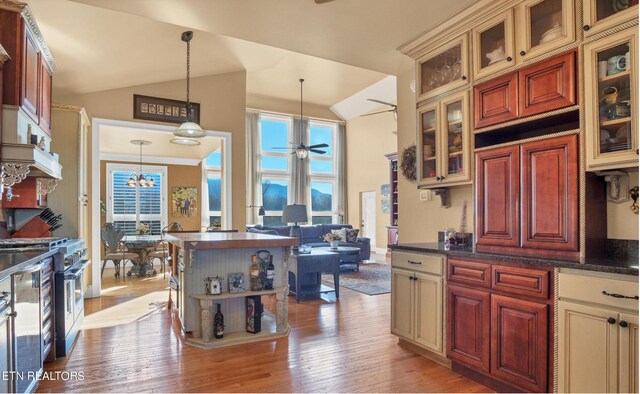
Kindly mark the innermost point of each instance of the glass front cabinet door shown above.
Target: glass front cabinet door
(600, 15)
(544, 25)
(493, 45)
(443, 151)
(443, 69)
(611, 90)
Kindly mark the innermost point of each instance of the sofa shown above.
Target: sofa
(312, 236)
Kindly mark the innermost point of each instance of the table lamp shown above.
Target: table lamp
(295, 214)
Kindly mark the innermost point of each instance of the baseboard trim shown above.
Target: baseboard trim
(412, 347)
(380, 251)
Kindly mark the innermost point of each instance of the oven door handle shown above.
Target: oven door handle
(73, 274)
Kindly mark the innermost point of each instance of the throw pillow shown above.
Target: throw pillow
(352, 234)
(342, 233)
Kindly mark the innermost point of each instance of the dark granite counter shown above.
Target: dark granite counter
(627, 266)
(12, 262)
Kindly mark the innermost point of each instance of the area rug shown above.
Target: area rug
(372, 279)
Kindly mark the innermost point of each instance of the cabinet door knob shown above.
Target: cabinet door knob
(522, 53)
(509, 58)
(464, 78)
(623, 323)
(611, 320)
(586, 27)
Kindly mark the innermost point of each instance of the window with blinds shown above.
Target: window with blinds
(132, 205)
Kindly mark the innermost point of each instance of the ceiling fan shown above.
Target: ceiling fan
(394, 109)
(322, 1)
(302, 151)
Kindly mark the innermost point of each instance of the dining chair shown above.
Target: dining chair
(162, 250)
(112, 236)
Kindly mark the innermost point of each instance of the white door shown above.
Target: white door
(368, 209)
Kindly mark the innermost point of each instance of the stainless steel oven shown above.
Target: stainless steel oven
(70, 302)
(6, 336)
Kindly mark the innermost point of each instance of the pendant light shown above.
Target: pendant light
(301, 151)
(139, 178)
(188, 129)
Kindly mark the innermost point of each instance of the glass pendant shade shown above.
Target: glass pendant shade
(142, 180)
(151, 182)
(131, 181)
(302, 153)
(189, 130)
(185, 141)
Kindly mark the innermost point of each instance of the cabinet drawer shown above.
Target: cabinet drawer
(590, 289)
(428, 263)
(523, 281)
(470, 273)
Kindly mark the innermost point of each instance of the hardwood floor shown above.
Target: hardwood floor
(132, 345)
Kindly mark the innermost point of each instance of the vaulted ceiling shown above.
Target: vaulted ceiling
(339, 47)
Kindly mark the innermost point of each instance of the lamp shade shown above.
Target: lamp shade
(294, 214)
(261, 211)
(189, 130)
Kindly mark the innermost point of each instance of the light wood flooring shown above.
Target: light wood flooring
(131, 344)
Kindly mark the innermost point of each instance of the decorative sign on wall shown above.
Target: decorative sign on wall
(163, 110)
(385, 198)
(184, 202)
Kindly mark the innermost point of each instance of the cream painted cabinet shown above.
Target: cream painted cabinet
(444, 144)
(493, 45)
(600, 15)
(70, 197)
(417, 299)
(597, 334)
(543, 26)
(443, 69)
(611, 98)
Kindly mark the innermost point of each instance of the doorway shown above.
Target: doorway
(368, 214)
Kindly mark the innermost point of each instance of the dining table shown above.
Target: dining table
(142, 245)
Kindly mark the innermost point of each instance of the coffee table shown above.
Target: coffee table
(305, 273)
(349, 256)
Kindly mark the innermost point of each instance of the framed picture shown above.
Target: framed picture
(184, 202)
(236, 282)
(163, 110)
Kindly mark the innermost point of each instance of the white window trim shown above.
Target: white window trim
(285, 154)
(134, 168)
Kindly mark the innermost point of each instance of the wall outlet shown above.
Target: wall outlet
(425, 195)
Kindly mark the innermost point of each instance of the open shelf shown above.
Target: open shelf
(456, 153)
(429, 130)
(248, 293)
(613, 77)
(615, 121)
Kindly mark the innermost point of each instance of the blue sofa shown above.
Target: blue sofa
(312, 236)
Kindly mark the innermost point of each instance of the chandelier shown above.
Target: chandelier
(140, 179)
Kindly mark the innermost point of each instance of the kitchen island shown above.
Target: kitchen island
(201, 255)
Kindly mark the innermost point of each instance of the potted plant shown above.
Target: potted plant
(333, 239)
(143, 229)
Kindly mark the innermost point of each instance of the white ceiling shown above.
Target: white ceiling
(116, 140)
(340, 47)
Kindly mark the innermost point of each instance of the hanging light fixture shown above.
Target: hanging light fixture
(139, 178)
(189, 129)
(301, 150)
(185, 141)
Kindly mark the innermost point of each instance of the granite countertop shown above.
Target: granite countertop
(12, 262)
(612, 265)
(220, 240)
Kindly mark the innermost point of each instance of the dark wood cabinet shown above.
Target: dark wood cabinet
(547, 85)
(30, 86)
(468, 326)
(46, 80)
(496, 101)
(392, 228)
(549, 179)
(540, 177)
(541, 87)
(498, 197)
(519, 342)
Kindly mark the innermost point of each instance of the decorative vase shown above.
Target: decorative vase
(334, 244)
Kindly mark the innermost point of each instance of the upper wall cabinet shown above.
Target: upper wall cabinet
(444, 144)
(611, 93)
(543, 26)
(600, 15)
(493, 45)
(443, 69)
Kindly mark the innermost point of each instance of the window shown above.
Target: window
(275, 132)
(129, 206)
(322, 168)
(214, 181)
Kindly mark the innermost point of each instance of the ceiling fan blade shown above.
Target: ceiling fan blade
(383, 102)
(379, 112)
(318, 146)
(321, 152)
(322, 1)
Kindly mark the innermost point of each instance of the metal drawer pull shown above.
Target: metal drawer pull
(414, 262)
(614, 295)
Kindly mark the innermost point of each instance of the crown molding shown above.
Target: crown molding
(73, 108)
(148, 160)
(4, 56)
